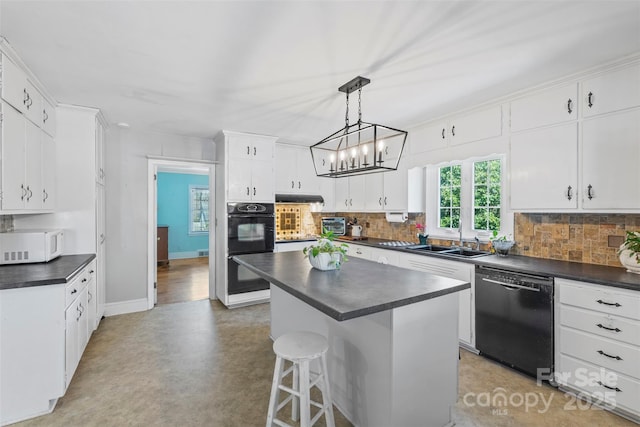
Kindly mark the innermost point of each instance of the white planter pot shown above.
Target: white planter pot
(325, 261)
(629, 260)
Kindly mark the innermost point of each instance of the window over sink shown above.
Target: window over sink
(468, 194)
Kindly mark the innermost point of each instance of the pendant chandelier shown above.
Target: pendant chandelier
(360, 148)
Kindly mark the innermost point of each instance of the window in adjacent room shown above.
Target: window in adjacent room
(199, 209)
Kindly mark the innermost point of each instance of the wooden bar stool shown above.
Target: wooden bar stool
(300, 348)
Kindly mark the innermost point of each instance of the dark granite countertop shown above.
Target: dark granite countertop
(599, 274)
(359, 288)
(60, 270)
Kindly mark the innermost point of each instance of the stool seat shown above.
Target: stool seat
(300, 349)
(300, 345)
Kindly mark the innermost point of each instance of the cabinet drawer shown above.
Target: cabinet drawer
(599, 298)
(74, 288)
(606, 386)
(609, 354)
(605, 325)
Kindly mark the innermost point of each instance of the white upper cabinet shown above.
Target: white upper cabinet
(350, 194)
(483, 124)
(549, 107)
(613, 91)
(610, 159)
(374, 191)
(14, 84)
(13, 159)
(250, 168)
(48, 172)
(295, 173)
(428, 138)
(541, 180)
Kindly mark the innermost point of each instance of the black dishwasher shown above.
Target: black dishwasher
(514, 319)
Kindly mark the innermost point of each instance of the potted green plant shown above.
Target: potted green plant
(629, 252)
(326, 255)
(501, 244)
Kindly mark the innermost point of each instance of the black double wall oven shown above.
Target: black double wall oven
(251, 229)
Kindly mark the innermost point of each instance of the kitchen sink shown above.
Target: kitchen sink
(451, 251)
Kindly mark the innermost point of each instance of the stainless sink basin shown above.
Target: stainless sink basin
(448, 250)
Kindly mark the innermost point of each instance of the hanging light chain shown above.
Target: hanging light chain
(360, 104)
(346, 116)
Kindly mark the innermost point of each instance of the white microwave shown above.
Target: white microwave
(26, 246)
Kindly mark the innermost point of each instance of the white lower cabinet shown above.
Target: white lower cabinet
(453, 270)
(598, 344)
(43, 333)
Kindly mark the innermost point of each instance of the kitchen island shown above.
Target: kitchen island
(392, 332)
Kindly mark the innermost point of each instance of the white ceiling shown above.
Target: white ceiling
(272, 67)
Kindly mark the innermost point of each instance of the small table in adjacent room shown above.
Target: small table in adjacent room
(163, 245)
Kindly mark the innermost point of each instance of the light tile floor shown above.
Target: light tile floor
(199, 364)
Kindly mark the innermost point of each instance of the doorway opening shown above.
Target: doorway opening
(181, 258)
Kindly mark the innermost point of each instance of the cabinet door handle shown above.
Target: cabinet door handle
(569, 193)
(346, 202)
(45, 116)
(30, 193)
(254, 191)
(350, 202)
(74, 291)
(24, 192)
(453, 130)
(589, 192)
(45, 196)
(601, 326)
(255, 151)
(248, 150)
(610, 388)
(79, 314)
(293, 184)
(248, 191)
(609, 356)
(613, 304)
(385, 201)
(90, 296)
(91, 271)
(590, 100)
(25, 96)
(84, 280)
(380, 201)
(299, 185)
(443, 131)
(569, 106)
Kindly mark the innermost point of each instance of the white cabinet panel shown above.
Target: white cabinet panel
(14, 84)
(48, 195)
(611, 154)
(549, 107)
(341, 194)
(544, 168)
(374, 191)
(476, 126)
(33, 168)
(396, 188)
(356, 193)
(294, 171)
(428, 138)
(612, 91)
(262, 185)
(13, 159)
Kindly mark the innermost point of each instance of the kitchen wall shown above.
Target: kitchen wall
(294, 221)
(588, 238)
(126, 195)
(376, 225)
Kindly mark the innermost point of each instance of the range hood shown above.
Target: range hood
(298, 198)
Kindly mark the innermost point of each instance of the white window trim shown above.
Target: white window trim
(466, 197)
(191, 188)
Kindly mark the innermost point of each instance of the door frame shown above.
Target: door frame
(155, 165)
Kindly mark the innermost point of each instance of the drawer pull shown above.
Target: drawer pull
(613, 304)
(84, 280)
(74, 291)
(610, 388)
(600, 325)
(609, 356)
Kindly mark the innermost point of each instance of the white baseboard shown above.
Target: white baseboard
(124, 307)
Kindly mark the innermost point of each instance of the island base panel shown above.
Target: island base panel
(396, 367)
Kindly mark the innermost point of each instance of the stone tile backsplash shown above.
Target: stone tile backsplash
(587, 238)
(6, 223)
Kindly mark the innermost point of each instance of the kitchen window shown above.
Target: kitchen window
(468, 195)
(198, 210)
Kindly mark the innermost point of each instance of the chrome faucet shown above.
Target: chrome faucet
(477, 243)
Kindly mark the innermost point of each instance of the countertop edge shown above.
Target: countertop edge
(55, 279)
(342, 316)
